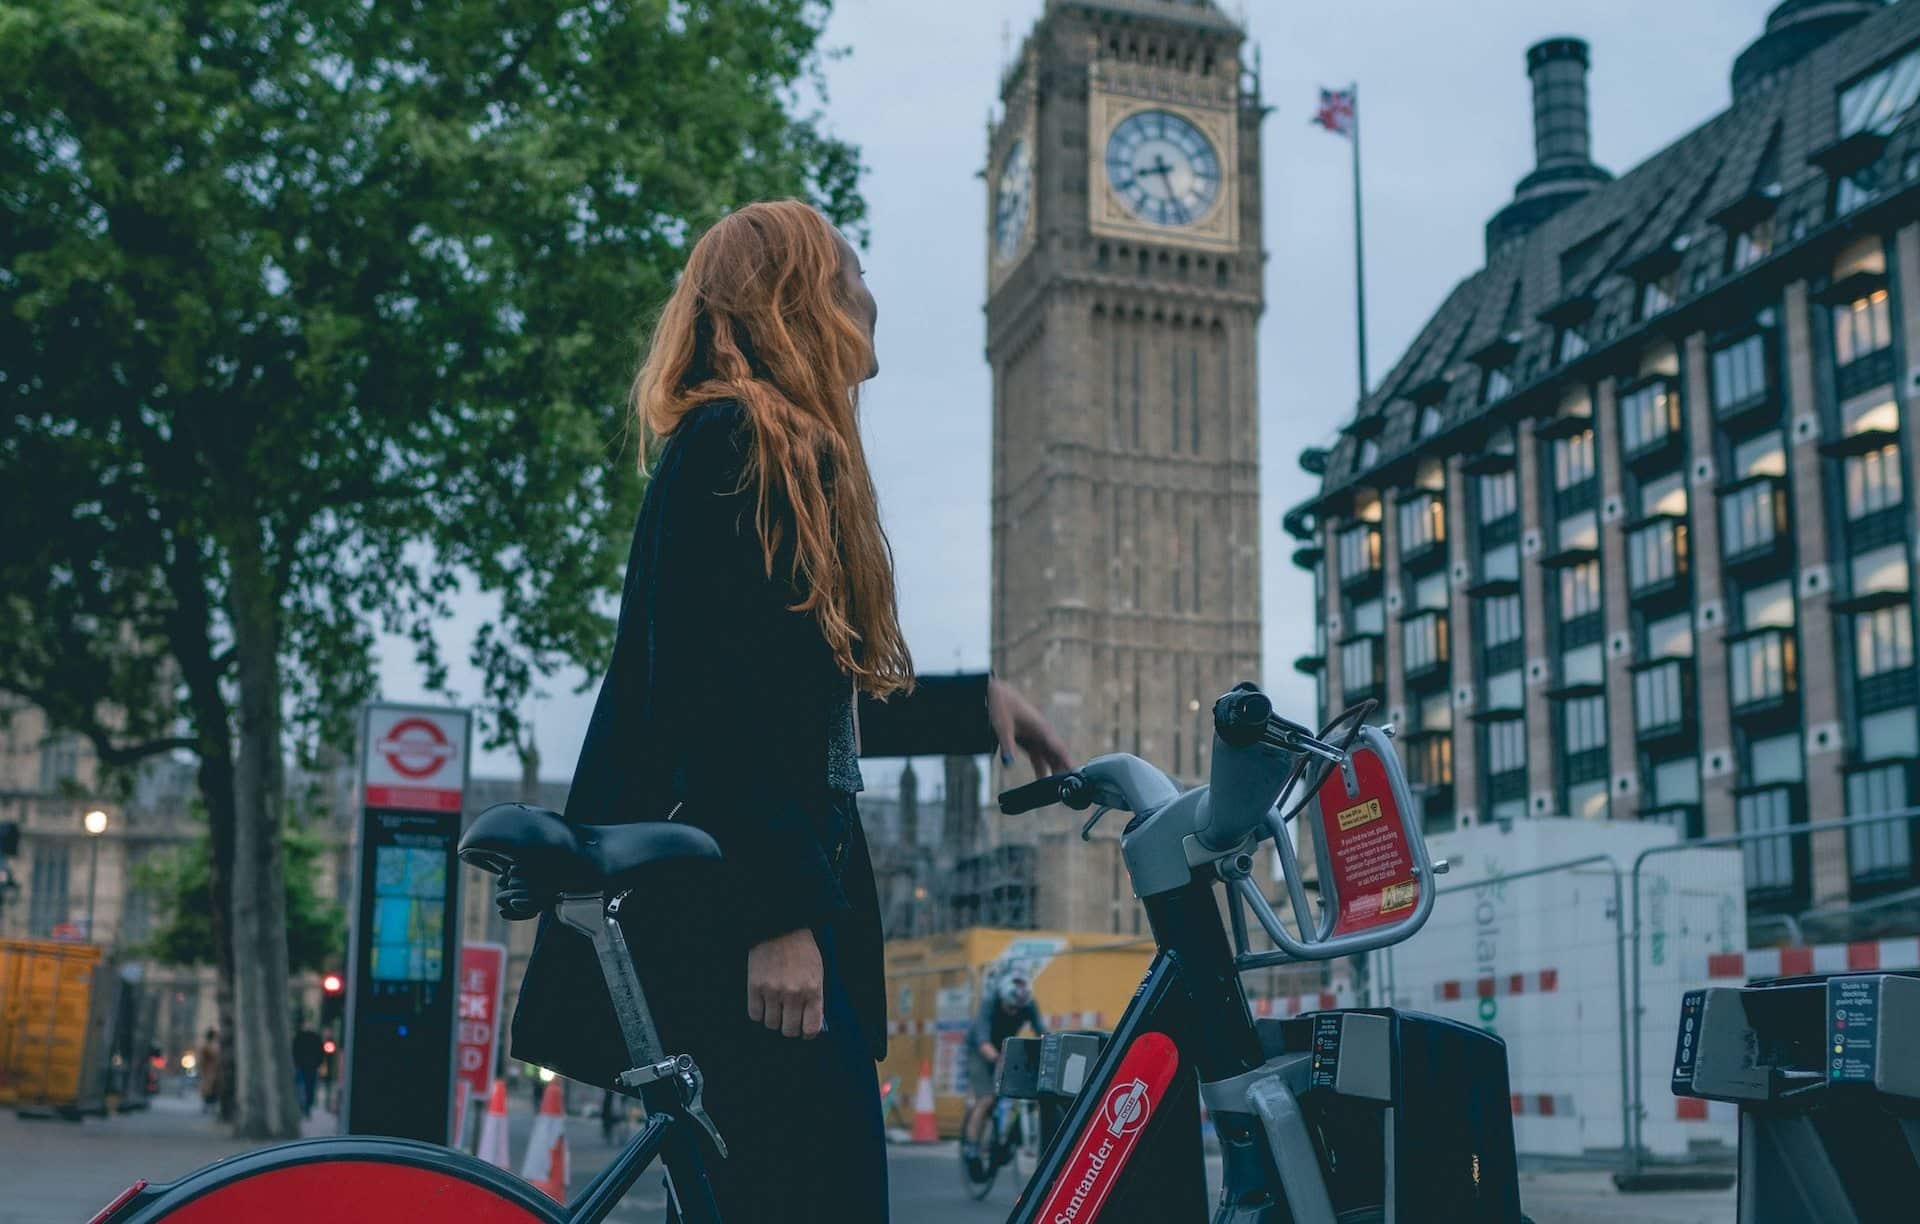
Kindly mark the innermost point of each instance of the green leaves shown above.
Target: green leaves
(365, 283)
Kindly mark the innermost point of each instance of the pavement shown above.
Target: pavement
(56, 1172)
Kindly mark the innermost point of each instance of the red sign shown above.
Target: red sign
(415, 758)
(1134, 1092)
(1367, 851)
(476, 1018)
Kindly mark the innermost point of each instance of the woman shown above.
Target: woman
(758, 650)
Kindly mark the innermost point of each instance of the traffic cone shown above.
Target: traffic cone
(493, 1129)
(925, 1130)
(546, 1163)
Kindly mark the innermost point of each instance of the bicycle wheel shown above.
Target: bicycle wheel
(977, 1187)
(361, 1178)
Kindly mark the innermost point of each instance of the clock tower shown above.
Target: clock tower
(1124, 272)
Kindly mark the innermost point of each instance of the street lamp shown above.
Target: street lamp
(95, 824)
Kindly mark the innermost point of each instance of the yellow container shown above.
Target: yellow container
(934, 990)
(46, 993)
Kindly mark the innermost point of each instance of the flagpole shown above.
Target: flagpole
(1359, 256)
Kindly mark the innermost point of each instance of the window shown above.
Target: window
(1761, 667)
(1876, 102)
(1369, 455)
(1769, 860)
(1874, 412)
(1670, 637)
(1676, 781)
(1359, 668)
(1665, 495)
(1430, 761)
(1761, 456)
(1884, 848)
(1429, 421)
(1659, 697)
(1775, 759)
(1584, 720)
(1498, 497)
(1740, 372)
(1500, 564)
(1499, 385)
(1882, 641)
(1751, 518)
(1500, 621)
(1881, 570)
(1430, 593)
(1572, 460)
(59, 763)
(1424, 639)
(1659, 294)
(1579, 531)
(1656, 555)
(1573, 343)
(47, 903)
(1861, 327)
(1435, 712)
(1505, 691)
(1506, 746)
(1753, 244)
(1892, 733)
(1646, 418)
(1587, 801)
(1873, 481)
(1366, 617)
(1579, 590)
(1423, 523)
(1769, 605)
(1359, 551)
(1584, 665)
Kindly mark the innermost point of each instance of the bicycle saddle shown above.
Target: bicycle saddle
(556, 856)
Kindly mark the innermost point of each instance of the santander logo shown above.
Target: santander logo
(1101, 1151)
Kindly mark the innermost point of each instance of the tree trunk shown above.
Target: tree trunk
(263, 1043)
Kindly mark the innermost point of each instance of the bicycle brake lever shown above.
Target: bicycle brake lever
(692, 1083)
(1086, 830)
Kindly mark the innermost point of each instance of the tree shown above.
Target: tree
(180, 880)
(314, 313)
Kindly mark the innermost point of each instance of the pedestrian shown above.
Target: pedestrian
(308, 1053)
(212, 1071)
(758, 654)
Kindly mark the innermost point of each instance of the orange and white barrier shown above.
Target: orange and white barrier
(546, 1163)
(1865, 954)
(493, 1129)
(925, 1128)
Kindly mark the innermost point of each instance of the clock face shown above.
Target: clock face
(1163, 169)
(1013, 201)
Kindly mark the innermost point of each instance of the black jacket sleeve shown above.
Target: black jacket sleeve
(943, 716)
(744, 687)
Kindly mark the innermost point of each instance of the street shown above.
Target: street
(56, 1172)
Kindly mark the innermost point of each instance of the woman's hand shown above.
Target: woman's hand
(786, 984)
(1017, 724)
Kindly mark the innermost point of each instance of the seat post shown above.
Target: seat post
(598, 919)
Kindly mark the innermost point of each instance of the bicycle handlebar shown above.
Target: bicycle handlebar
(1067, 788)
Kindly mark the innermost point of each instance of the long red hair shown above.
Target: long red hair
(761, 316)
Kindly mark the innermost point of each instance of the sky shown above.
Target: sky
(1447, 130)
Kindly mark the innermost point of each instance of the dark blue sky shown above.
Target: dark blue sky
(1447, 130)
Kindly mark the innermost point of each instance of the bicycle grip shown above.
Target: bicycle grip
(1036, 794)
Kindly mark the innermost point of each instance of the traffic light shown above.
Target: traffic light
(333, 1000)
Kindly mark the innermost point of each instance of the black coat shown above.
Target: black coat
(722, 699)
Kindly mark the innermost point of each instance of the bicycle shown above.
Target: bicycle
(1327, 1118)
(1010, 1124)
(372, 1178)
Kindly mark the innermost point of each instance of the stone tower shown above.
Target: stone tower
(1124, 291)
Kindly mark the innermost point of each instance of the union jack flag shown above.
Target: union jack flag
(1336, 111)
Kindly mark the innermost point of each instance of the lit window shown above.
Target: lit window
(1881, 570)
(1765, 455)
(1667, 495)
(1670, 637)
(1761, 667)
(1874, 412)
(1573, 460)
(1646, 418)
(1873, 481)
(1882, 641)
(1579, 531)
(1656, 555)
(1422, 523)
(1587, 801)
(1861, 327)
(1768, 606)
(1423, 641)
(1436, 713)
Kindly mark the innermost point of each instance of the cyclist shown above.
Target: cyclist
(1007, 1009)
(760, 580)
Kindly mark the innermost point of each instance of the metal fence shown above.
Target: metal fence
(1580, 964)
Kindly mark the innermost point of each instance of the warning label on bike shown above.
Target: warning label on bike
(1367, 855)
(1853, 1024)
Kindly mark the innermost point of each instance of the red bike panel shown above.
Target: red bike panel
(331, 1191)
(1367, 850)
(1100, 1153)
